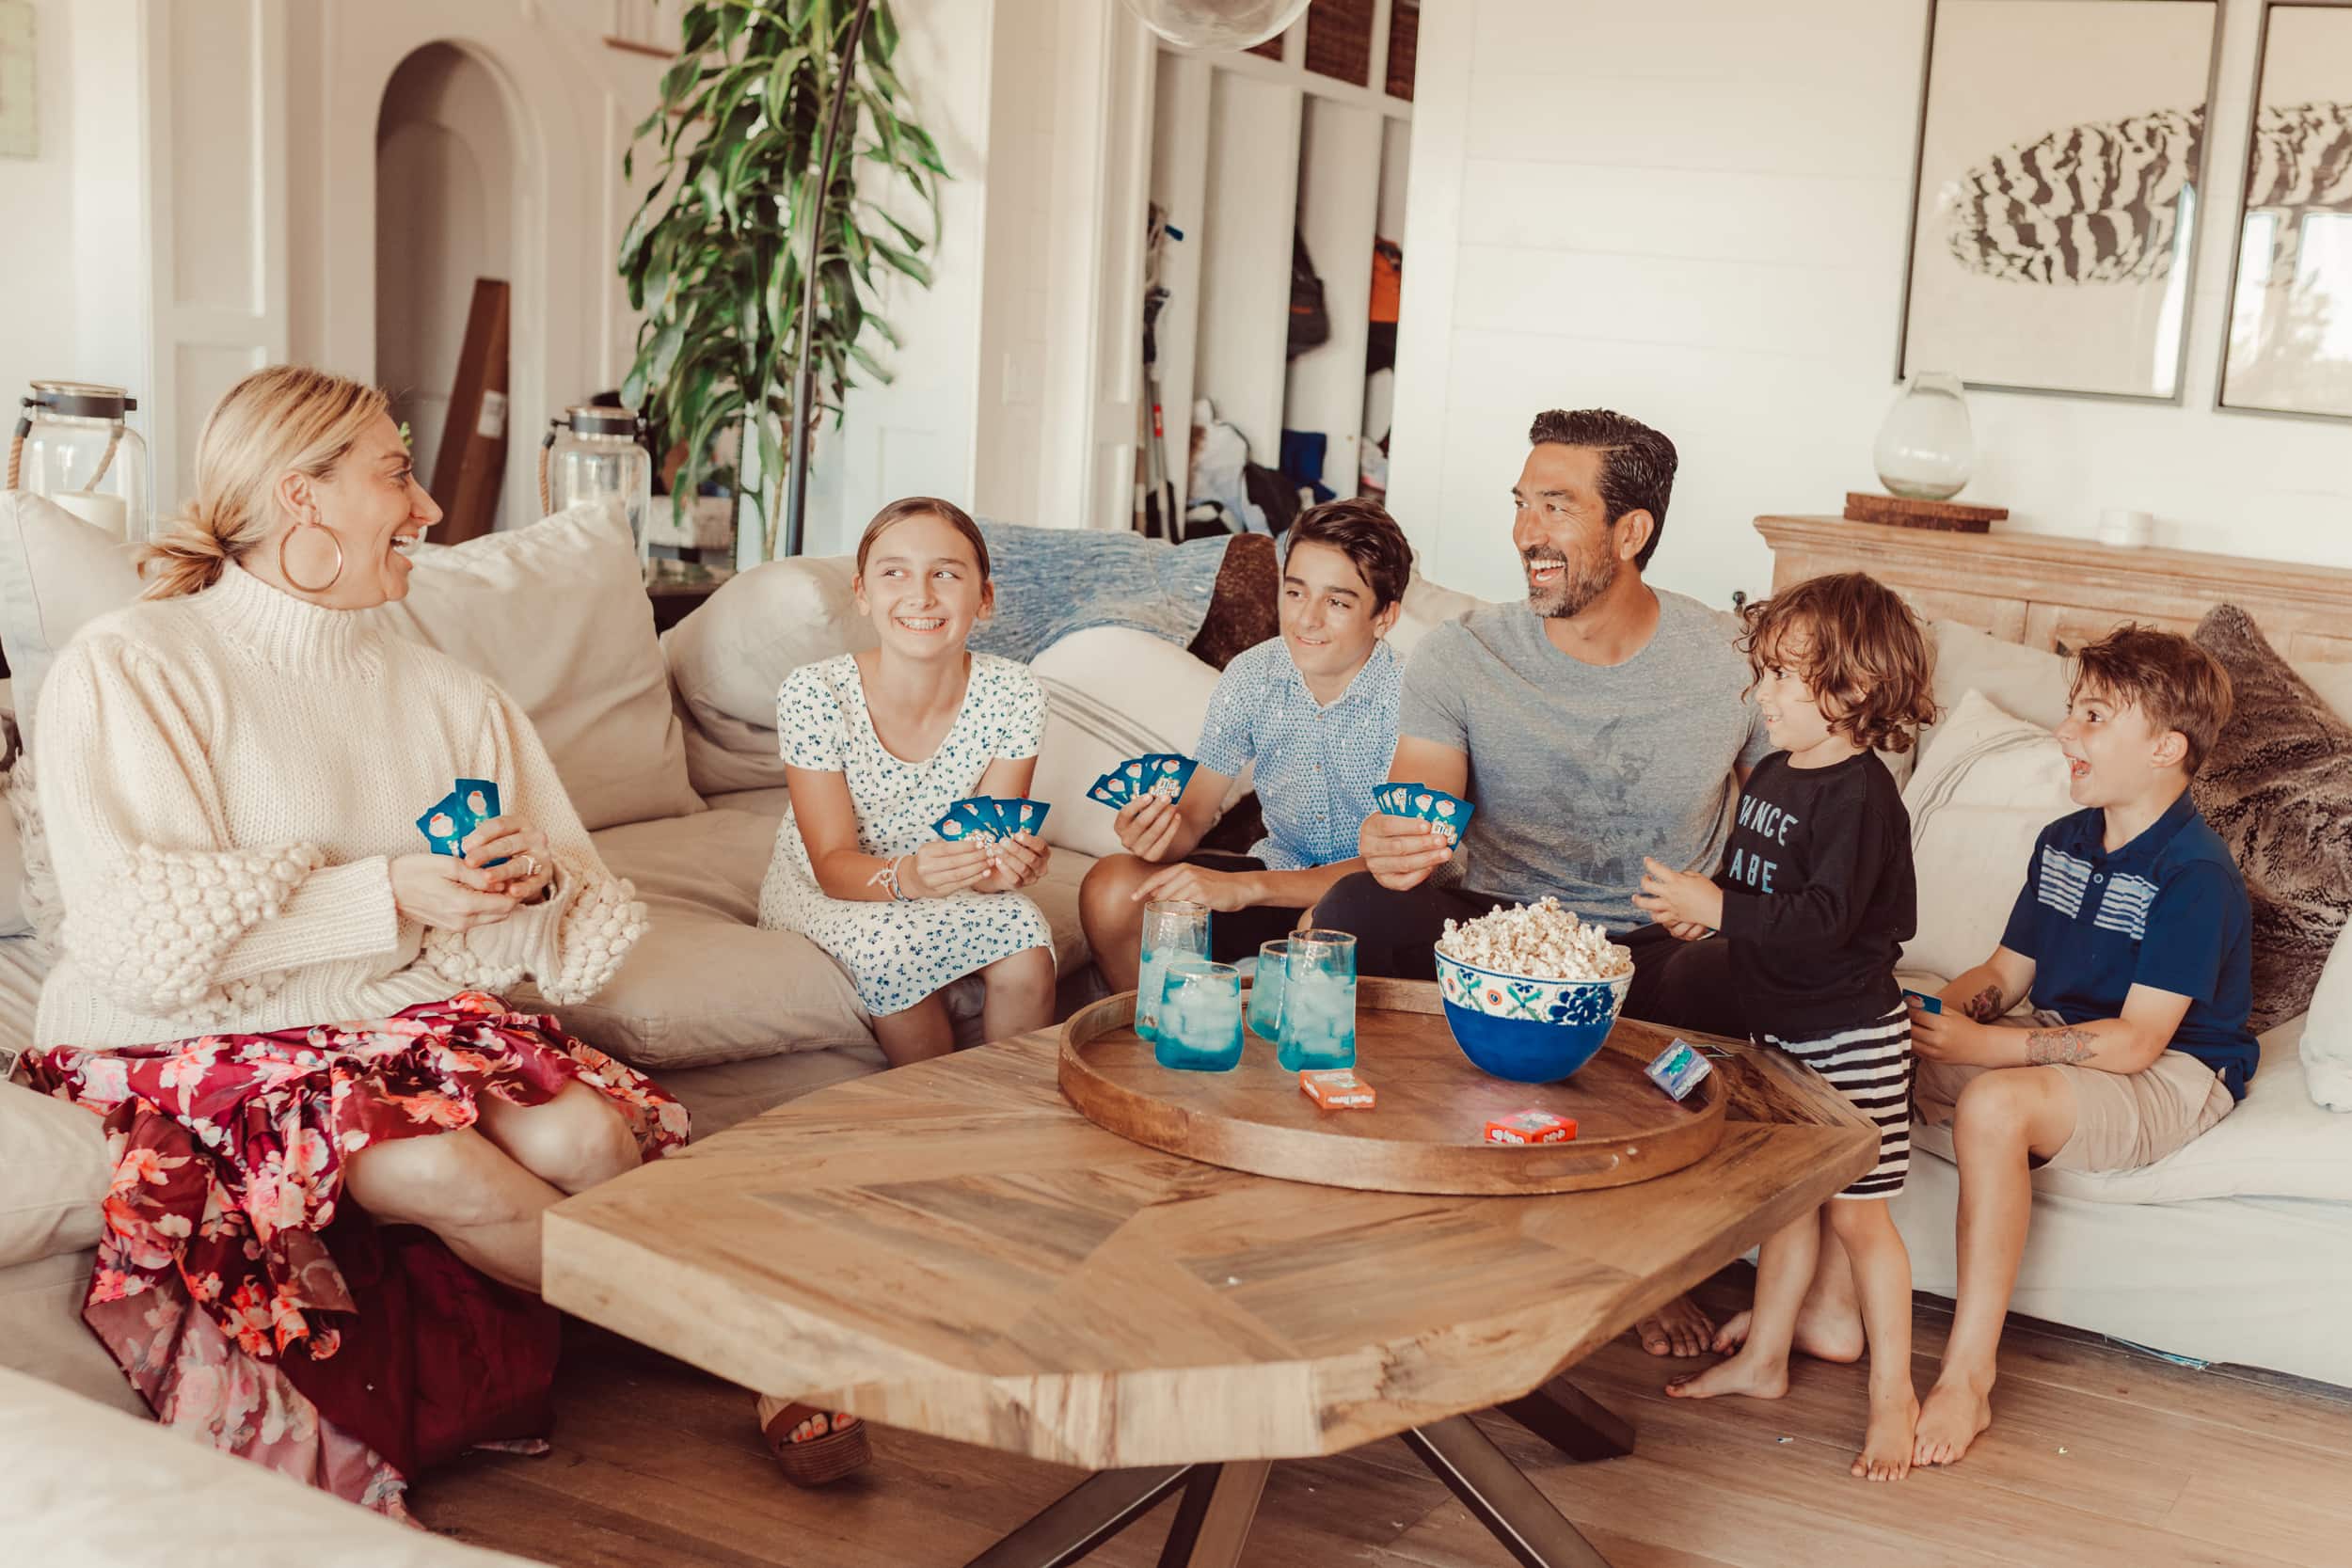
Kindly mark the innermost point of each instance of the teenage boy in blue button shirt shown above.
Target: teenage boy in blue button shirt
(2132, 938)
(1314, 709)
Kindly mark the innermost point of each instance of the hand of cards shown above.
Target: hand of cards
(1161, 773)
(992, 818)
(450, 820)
(1447, 814)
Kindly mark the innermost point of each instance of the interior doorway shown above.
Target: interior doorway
(446, 169)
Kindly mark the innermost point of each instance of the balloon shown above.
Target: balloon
(1217, 23)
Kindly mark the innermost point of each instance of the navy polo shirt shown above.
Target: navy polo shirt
(2167, 910)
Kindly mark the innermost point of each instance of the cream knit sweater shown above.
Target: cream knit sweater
(223, 780)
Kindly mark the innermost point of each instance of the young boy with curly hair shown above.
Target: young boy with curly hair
(1815, 898)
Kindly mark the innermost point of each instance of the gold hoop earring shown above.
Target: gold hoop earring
(287, 538)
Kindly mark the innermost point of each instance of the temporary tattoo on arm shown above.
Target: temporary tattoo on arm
(2044, 1046)
(1985, 1005)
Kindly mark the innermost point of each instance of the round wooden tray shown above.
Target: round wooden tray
(1426, 1133)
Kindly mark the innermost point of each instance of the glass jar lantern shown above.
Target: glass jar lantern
(1925, 450)
(72, 447)
(594, 454)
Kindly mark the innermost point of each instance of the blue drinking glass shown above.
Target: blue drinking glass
(1318, 1003)
(1265, 991)
(1199, 1021)
(1173, 929)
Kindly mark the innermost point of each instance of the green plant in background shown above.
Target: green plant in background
(716, 253)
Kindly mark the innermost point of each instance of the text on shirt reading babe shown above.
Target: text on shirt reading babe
(1765, 821)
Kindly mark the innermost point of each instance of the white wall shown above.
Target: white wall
(1694, 211)
(37, 272)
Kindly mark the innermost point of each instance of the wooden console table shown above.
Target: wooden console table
(2059, 593)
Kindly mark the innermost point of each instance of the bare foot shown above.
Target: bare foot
(1825, 1333)
(1956, 1412)
(1742, 1374)
(1888, 1443)
(1678, 1328)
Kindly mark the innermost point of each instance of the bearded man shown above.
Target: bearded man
(1600, 721)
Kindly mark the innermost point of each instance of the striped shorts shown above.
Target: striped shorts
(1869, 1065)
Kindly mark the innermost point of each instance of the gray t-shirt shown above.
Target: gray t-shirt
(1577, 771)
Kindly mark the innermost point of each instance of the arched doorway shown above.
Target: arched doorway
(446, 169)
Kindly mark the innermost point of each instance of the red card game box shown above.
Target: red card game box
(1336, 1089)
(1531, 1126)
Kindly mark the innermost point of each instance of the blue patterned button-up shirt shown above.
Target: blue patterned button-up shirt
(1316, 765)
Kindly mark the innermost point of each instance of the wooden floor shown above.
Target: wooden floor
(2098, 1456)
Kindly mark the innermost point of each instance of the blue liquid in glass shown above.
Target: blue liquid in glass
(1318, 1021)
(1200, 1024)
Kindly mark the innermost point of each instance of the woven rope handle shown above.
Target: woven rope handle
(546, 497)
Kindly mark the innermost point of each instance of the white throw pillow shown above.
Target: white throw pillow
(58, 573)
(1111, 693)
(2029, 683)
(730, 656)
(557, 614)
(2327, 1031)
(52, 1174)
(1984, 790)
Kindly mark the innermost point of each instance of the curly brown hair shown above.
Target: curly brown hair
(2175, 684)
(1858, 647)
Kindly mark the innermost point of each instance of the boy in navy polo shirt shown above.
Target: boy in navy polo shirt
(1315, 710)
(2132, 938)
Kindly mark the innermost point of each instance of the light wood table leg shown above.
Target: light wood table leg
(1499, 1497)
(1572, 1421)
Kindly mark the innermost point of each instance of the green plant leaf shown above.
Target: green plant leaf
(906, 261)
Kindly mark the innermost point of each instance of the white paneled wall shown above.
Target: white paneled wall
(36, 274)
(1694, 210)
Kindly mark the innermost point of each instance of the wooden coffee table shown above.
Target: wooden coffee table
(950, 1247)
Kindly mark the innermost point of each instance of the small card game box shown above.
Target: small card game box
(1531, 1126)
(1336, 1089)
(1678, 1069)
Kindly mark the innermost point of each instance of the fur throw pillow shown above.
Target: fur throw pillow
(2278, 788)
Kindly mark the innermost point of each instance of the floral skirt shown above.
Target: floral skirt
(255, 1308)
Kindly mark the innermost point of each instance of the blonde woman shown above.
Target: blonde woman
(284, 1008)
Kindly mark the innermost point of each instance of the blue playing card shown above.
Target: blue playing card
(1923, 1001)
(445, 825)
(479, 799)
(1023, 815)
(1447, 814)
(1111, 791)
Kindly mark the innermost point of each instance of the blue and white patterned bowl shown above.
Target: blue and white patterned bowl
(1529, 1030)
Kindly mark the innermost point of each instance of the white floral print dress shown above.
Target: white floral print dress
(898, 953)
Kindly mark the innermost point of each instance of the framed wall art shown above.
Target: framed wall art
(2053, 214)
(2289, 347)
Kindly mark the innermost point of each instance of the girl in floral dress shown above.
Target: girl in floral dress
(877, 746)
(332, 1142)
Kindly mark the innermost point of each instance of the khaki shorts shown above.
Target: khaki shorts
(2123, 1120)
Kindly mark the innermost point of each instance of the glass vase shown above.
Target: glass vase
(1924, 450)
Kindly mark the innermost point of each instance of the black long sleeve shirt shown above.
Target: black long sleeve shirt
(1818, 895)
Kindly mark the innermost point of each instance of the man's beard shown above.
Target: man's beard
(1575, 589)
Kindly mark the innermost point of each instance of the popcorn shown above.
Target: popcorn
(1542, 941)
(1531, 1126)
(1336, 1089)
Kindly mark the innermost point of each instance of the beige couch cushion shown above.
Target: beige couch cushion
(53, 1176)
(730, 656)
(82, 1486)
(1984, 790)
(704, 983)
(557, 614)
(1111, 693)
(57, 573)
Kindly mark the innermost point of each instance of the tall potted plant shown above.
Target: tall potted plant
(717, 257)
